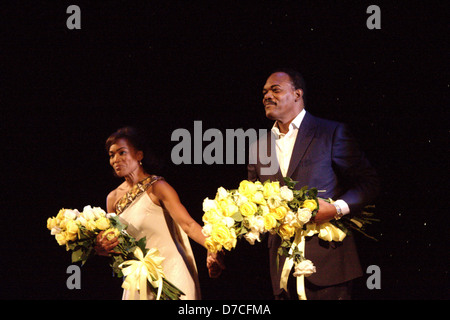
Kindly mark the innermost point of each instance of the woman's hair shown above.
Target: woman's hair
(135, 138)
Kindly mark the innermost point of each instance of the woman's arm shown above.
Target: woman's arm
(168, 198)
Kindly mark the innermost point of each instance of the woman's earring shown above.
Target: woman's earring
(140, 163)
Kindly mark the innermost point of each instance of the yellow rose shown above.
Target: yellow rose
(61, 238)
(258, 185)
(212, 216)
(269, 222)
(271, 189)
(221, 194)
(111, 233)
(310, 204)
(90, 225)
(231, 241)
(258, 197)
(51, 223)
(247, 188)
(212, 246)
(60, 215)
(209, 204)
(63, 223)
(220, 234)
(228, 207)
(248, 209)
(286, 231)
(263, 209)
(280, 212)
(72, 228)
(71, 236)
(102, 223)
(274, 201)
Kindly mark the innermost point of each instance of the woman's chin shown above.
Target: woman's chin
(119, 173)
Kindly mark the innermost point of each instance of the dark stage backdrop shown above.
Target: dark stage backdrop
(162, 66)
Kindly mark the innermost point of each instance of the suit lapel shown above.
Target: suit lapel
(304, 137)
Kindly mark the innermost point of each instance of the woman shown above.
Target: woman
(151, 208)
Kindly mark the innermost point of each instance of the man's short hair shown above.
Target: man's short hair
(296, 78)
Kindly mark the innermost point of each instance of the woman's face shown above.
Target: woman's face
(124, 158)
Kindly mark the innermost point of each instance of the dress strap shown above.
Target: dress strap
(135, 191)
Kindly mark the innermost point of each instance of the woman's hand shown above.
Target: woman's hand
(103, 246)
(215, 264)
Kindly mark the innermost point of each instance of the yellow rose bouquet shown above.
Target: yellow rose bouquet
(255, 208)
(78, 231)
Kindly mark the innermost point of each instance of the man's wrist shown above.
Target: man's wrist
(341, 209)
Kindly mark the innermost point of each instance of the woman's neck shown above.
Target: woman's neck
(135, 177)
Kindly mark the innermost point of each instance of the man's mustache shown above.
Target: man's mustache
(268, 102)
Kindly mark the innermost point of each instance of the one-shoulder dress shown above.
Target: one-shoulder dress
(145, 218)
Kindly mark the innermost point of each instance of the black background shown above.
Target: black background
(163, 65)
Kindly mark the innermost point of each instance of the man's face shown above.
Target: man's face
(280, 98)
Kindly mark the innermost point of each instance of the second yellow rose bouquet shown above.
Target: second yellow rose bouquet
(78, 231)
(256, 208)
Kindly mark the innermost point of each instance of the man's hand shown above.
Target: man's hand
(326, 212)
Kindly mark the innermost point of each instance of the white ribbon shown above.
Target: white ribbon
(299, 242)
(143, 270)
(326, 231)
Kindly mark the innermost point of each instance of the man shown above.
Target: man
(322, 154)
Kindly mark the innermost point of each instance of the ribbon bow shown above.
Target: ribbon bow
(143, 269)
(327, 232)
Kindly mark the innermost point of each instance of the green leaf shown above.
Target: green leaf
(116, 223)
(86, 254)
(312, 193)
(237, 216)
(241, 231)
(289, 182)
(141, 243)
(76, 255)
(72, 245)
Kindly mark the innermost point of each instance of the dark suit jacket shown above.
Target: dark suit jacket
(327, 157)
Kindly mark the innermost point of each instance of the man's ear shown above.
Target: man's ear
(298, 94)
